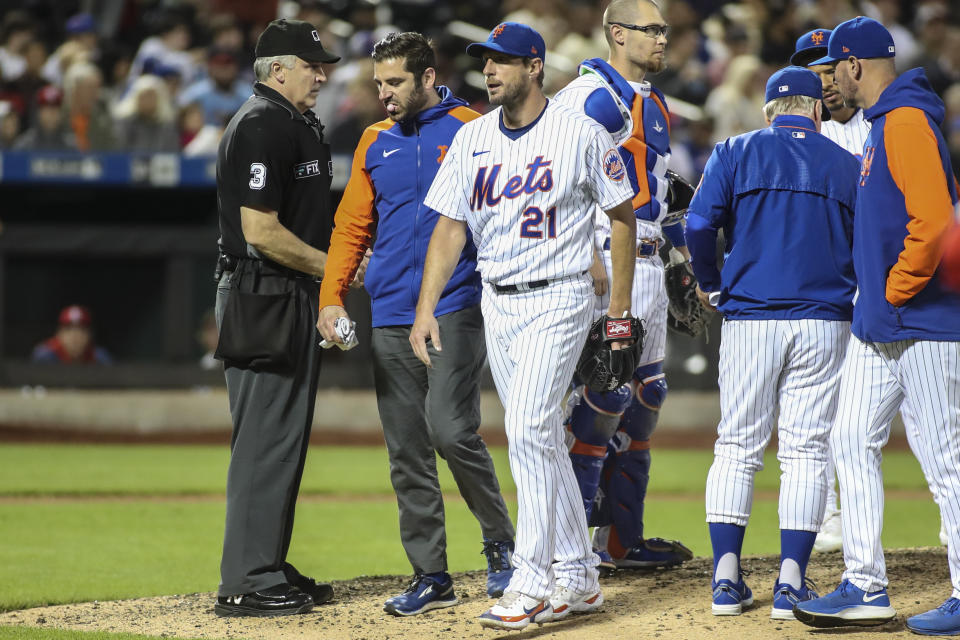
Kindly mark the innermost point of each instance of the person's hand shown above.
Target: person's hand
(601, 284)
(361, 270)
(425, 328)
(325, 324)
(704, 298)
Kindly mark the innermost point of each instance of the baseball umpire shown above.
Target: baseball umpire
(905, 349)
(422, 409)
(273, 189)
(784, 198)
(615, 95)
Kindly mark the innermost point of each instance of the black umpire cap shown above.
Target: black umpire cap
(293, 37)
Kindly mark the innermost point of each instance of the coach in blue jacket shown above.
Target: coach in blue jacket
(421, 409)
(784, 197)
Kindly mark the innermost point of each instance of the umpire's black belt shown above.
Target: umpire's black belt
(646, 247)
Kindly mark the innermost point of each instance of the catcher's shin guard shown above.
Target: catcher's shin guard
(592, 422)
(640, 418)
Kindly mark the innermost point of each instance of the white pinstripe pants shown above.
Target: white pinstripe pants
(922, 379)
(648, 301)
(766, 364)
(533, 341)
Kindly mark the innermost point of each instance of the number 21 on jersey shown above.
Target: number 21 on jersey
(533, 218)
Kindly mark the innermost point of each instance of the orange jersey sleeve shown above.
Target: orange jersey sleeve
(914, 162)
(353, 224)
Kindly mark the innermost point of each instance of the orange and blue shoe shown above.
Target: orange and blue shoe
(515, 611)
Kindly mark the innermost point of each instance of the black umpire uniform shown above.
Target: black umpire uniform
(272, 160)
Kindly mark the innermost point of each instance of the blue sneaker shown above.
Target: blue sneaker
(942, 621)
(847, 605)
(607, 566)
(786, 597)
(731, 599)
(423, 594)
(654, 552)
(499, 566)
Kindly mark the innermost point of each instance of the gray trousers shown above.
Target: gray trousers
(272, 415)
(425, 410)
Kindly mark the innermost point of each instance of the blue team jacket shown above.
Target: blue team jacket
(393, 168)
(784, 197)
(905, 203)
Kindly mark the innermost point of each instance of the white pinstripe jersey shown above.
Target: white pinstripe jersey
(529, 201)
(850, 134)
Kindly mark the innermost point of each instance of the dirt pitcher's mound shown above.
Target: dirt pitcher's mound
(639, 604)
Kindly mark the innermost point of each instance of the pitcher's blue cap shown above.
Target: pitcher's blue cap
(513, 39)
(861, 38)
(796, 81)
(810, 46)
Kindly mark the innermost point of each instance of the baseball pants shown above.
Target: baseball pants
(272, 416)
(766, 364)
(922, 379)
(533, 341)
(426, 410)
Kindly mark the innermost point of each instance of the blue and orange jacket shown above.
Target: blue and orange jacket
(905, 204)
(784, 197)
(393, 168)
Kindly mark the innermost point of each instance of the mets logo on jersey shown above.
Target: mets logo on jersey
(613, 165)
(817, 38)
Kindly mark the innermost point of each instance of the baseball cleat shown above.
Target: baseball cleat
(846, 606)
(607, 566)
(423, 594)
(785, 597)
(731, 599)
(830, 537)
(654, 552)
(515, 611)
(942, 621)
(565, 601)
(499, 566)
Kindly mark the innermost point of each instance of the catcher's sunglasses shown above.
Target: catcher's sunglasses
(650, 30)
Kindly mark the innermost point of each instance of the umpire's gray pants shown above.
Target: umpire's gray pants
(272, 415)
(425, 410)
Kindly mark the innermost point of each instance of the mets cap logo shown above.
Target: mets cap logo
(817, 37)
(613, 165)
(498, 30)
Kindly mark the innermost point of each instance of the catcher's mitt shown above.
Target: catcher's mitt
(679, 194)
(685, 313)
(602, 368)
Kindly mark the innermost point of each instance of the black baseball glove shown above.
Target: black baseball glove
(685, 313)
(679, 194)
(602, 368)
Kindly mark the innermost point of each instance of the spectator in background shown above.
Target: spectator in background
(166, 49)
(221, 93)
(81, 39)
(48, 132)
(85, 110)
(736, 106)
(9, 124)
(360, 108)
(145, 117)
(16, 32)
(685, 75)
(73, 341)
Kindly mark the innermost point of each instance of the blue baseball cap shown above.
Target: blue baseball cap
(860, 37)
(796, 81)
(810, 46)
(513, 39)
(81, 23)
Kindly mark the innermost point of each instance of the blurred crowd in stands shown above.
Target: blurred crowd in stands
(162, 75)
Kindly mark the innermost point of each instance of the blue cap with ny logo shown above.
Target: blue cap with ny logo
(860, 37)
(513, 39)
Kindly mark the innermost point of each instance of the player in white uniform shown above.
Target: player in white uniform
(614, 93)
(525, 179)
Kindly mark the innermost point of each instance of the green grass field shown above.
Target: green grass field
(100, 522)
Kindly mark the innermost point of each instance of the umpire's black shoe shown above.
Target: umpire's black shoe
(321, 592)
(281, 600)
